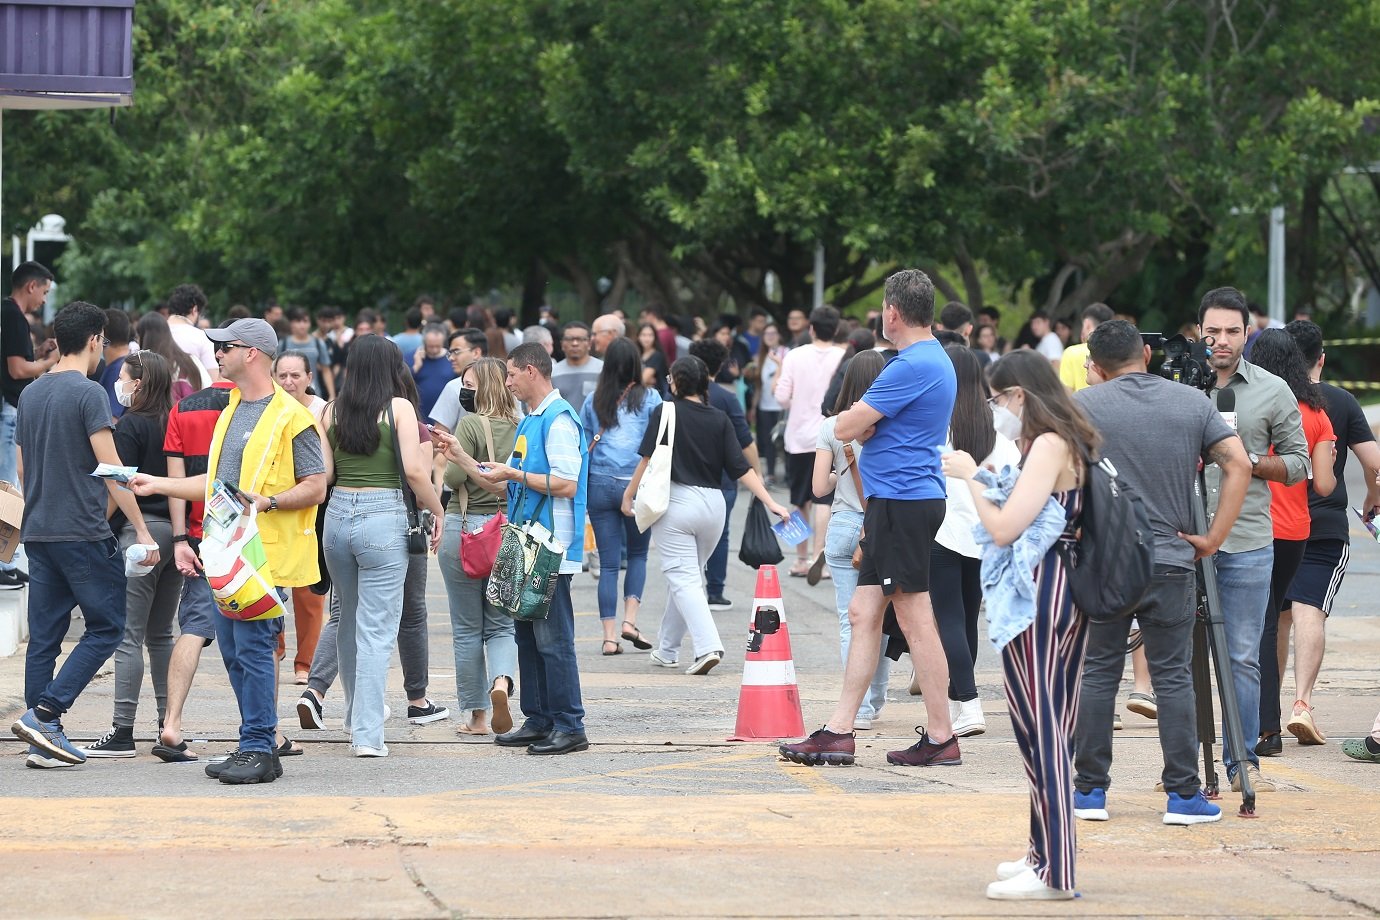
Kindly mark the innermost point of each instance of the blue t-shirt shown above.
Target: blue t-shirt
(112, 374)
(432, 379)
(915, 395)
(616, 453)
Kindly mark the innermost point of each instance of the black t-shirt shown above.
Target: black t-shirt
(706, 446)
(139, 442)
(1330, 515)
(16, 341)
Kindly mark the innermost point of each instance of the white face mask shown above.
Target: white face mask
(124, 394)
(1006, 422)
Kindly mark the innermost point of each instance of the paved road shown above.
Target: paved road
(663, 816)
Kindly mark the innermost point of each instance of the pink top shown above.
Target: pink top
(800, 388)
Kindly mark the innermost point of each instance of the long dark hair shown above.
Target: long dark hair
(155, 392)
(153, 335)
(1276, 351)
(1048, 406)
(691, 378)
(622, 373)
(862, 369)
(971, 423)
(370, 386)
(656, 340)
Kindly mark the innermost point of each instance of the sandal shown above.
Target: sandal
(617, 649)
(634, 635)
(816, 571)
(289, 748)
(173, 753)
(801, 569)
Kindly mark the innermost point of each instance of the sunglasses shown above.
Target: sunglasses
(230, 346)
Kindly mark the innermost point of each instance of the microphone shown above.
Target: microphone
(1226, 404)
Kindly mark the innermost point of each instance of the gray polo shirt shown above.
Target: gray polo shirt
(1267, 415)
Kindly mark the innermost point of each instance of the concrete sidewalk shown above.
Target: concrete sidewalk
(663, 817)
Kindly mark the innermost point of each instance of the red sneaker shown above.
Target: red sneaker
(823, 746)
(925, 753)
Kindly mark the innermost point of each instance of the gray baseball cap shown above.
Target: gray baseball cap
(256, 333)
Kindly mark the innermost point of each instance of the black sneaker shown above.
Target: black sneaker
(11, 580)
(309, 712)
(719, 602)
(250, 767)
(421, 715)
(118, 742)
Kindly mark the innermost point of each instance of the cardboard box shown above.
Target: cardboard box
(11, 517)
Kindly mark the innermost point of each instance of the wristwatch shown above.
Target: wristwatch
(273, 503)
(1254, 458)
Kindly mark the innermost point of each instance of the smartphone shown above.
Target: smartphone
(1369, 525)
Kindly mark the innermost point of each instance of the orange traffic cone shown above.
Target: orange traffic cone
(769, 702)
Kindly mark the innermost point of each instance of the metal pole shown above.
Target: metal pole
(1276, 294)
(819, 275)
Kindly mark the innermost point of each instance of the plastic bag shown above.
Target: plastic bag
(759, 545)
(237, 568)
(135, 555)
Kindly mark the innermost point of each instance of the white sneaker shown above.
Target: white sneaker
(861, 724)
(1011, 869)
(705, 663)
(967, 718)
(661, 661)
(363, 751)
(914, 683)
(1026, 887)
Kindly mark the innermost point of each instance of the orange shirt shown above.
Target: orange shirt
(1289, 504)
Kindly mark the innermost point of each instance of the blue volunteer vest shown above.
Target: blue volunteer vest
(529, 455)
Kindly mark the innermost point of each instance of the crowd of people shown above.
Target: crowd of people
(937, 470)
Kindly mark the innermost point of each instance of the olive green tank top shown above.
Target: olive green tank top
(378, 470)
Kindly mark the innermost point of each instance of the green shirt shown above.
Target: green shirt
(469, 432)
(1267, 415)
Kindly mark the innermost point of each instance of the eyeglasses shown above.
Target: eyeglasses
(1003, 395)
(105, 342)
(230, 346)
(457, 352)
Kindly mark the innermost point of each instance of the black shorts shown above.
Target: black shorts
(897, 538)
(1319, 575)
(800, 475)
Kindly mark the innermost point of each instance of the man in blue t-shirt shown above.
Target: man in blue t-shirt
(903, 419)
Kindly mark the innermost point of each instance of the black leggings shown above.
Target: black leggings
(766, 447)
(1288, 555)
(956, 594)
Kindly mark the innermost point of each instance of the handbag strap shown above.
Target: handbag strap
(667, 428)
(465, 487)
(409, 499)
(853, 468)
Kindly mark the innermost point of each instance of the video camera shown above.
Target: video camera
(1185, 359)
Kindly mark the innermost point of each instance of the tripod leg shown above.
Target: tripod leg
(1202, 692)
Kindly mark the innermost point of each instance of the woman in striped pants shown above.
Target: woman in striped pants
(1043, 664)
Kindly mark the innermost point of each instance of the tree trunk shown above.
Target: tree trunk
(533, 293)
(1304, 246)
(1122, 260)
(967, 268)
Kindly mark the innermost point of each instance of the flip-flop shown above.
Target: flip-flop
(816, 571)
(502, 718)
(466, 730)
(289, 749)
(800, 570)
(634, 635)
(173, 753)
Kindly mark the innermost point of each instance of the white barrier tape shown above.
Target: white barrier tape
(768, 673)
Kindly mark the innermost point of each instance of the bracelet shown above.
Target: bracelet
(180, 538)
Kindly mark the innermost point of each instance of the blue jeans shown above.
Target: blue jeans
(614, 533)
(63, 576)
(9, 457)
(1243, 586)
(249, 649)
(366, 552)
(716, 569)
(550, 685)
(479, 630)
(839, 542)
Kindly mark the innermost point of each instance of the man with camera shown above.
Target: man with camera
(1187, 427)
(1266, 416)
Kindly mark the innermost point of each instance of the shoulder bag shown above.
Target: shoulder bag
(479, 549)
(654, 491)
(862, 497)
(523, 580)
(416, 530)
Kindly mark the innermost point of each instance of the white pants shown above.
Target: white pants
(685, 536)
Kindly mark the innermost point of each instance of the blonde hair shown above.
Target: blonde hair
(491, 395)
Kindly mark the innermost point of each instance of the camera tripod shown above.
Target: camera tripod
(1210, 635)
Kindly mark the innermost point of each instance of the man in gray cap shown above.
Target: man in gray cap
(267, 444)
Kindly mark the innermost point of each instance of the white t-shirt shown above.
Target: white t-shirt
(960, 515)
(1051, 347)
(194, 342)
(845, 492)
(766, 398)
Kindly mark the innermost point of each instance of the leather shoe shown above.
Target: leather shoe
(522, 736)
(561, 743)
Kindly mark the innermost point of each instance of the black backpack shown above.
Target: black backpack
(1112, 561)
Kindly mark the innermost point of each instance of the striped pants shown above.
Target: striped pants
(1044, 670)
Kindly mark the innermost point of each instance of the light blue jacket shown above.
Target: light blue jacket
(1008, 572)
